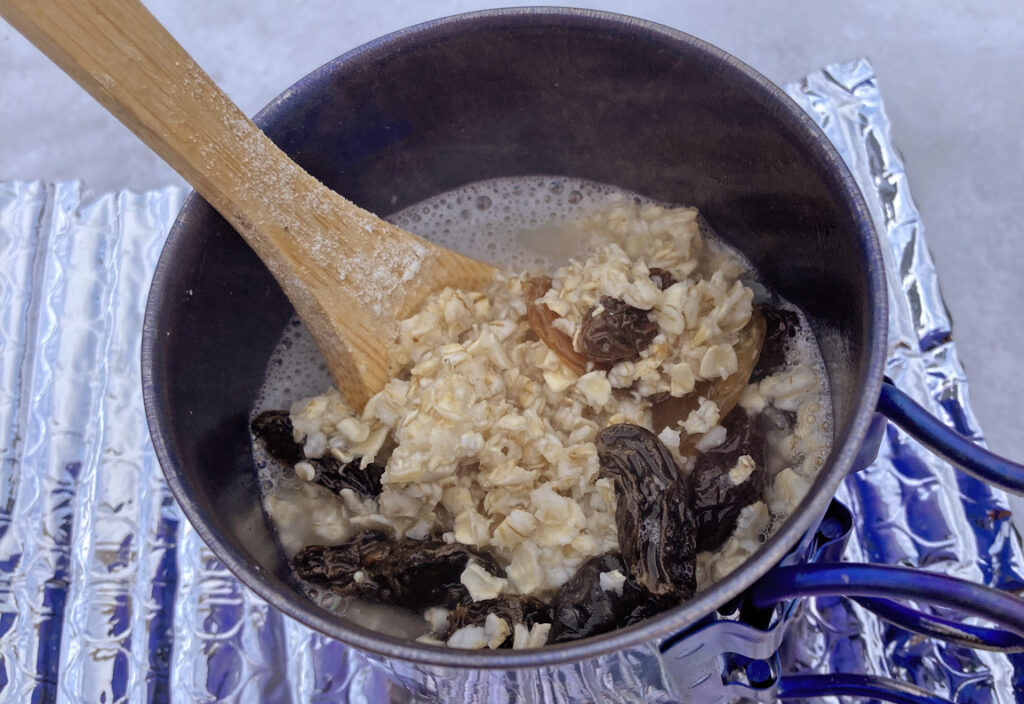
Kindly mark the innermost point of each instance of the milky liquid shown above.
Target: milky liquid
(520, 224)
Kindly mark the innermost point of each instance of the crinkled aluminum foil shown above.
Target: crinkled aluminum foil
(914, 510)
(107, 595)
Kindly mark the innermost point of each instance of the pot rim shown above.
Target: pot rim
(653, 630)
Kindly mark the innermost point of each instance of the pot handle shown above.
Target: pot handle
(874, 586)
(945, 442)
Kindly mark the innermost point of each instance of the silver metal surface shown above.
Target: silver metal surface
(912, 508)
(106, 594)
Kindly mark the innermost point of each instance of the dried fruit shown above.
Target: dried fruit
(540, 319)
(513, 609)
(655, 528)
(670, 411)
(332, 474)
(781, 326)
(405, 572)
(582, 607)
(662, 278)
(721, 489)
(274, 428)
(615, 332)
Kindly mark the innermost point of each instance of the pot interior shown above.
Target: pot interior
(498, 94)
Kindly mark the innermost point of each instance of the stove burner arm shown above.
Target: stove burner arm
(881, 583)
(940, 628)
(813, 687)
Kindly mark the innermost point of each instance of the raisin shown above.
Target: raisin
(540, 318)
(415, 574)
(652, 514)
(617, 333)
(335, 475)
(513, 609)
(781, 326)
(718, 495)
(662, 278)
(274, 429)
(582, 608)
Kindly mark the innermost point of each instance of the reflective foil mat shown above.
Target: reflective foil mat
(108, 595)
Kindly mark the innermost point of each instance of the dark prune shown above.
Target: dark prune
(781, 326)
(652, 514)
(540, 318)
(335, 475)
(718, 498)
(405, 572)
(670, 411)
(274, 429)
(513, 609)
(618, 333)
(662, 278)
(582, 608)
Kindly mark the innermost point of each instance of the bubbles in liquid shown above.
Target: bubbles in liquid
(502, 210)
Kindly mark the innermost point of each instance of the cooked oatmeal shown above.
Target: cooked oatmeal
(489, 438)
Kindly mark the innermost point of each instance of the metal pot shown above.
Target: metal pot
(540, 91)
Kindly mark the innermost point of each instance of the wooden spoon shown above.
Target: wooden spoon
(350, 275)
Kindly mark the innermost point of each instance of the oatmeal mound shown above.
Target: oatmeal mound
(488, 435)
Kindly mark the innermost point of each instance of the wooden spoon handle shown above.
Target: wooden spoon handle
(350, 275)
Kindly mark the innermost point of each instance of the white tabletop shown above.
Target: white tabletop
(950, 72)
